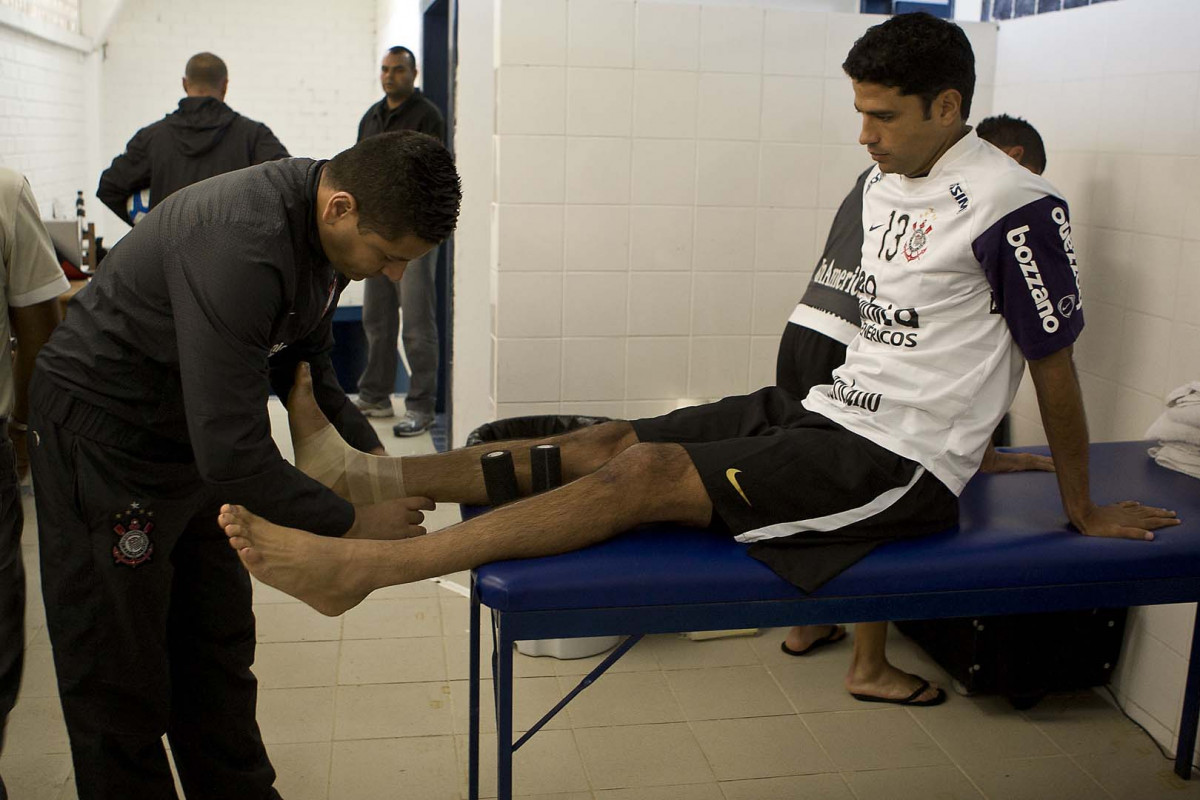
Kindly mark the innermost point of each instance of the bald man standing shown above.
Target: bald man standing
(202, 138)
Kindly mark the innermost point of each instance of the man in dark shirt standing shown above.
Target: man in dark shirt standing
(149, 409)
(202, 138)
(402, 108)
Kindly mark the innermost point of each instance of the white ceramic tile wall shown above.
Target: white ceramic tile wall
(477, 243)
(724, 239)
(1129, 171)
(679, 163)
(661, 237)
(657, 367)
(667, 36)
(597, 238)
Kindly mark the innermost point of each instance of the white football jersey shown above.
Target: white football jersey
(965, 272)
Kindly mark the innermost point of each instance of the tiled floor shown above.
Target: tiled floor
(373, 705)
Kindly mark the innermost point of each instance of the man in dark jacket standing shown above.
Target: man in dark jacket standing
(202, 138)
(402, 108)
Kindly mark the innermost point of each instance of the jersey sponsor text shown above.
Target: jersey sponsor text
(1033, 278)
(839, 278)
(846, 394)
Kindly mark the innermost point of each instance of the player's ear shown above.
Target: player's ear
(947, 107)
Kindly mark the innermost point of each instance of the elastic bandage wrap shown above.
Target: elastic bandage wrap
(354, 475)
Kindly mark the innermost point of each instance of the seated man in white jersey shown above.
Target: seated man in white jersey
(967, 270)
(814, 343)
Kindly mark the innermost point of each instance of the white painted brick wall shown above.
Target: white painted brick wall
(42, 117)
(305, 68)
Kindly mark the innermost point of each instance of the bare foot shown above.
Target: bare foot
(888, 682)
(305, 417)
(803, 639)
(319, 570)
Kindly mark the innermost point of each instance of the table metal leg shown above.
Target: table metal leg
(1191, 708)
(473, 691)
(504, 707)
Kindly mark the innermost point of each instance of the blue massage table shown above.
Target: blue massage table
(1011, 553)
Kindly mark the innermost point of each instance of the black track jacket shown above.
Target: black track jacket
(202, 138)
(211, 299)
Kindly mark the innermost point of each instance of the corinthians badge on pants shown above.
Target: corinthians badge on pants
(132, 529)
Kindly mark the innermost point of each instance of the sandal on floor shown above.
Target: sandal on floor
(836, 635)
(911, 700)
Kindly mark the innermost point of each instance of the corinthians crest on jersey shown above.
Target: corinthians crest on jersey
(918, 240)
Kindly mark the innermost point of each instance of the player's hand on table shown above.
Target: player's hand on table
(391, 519)
(996, 461)
(1128, 519)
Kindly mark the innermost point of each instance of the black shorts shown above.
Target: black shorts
(806, 359)
(811, 497)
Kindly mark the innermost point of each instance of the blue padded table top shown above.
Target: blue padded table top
(1012, 534)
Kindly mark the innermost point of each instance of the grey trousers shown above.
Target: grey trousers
(12, 586)
(415, 296)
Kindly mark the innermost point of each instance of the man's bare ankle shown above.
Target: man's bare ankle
(867, 671)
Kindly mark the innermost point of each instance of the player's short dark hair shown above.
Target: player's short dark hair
(917, 54)
(1005, 131)
(206, 69)
(405, 183)
(402, 50)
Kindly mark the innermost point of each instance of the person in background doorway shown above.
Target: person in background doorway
(402, 108)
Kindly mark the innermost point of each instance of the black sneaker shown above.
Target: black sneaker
(413, 423)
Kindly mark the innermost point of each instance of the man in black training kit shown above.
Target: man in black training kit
(150, 409)
(402, 108)
(202, 138)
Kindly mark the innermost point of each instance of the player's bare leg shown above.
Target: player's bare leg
(453, 477)
(872, 675)
(645, 483)
(322, 454)
(457, 477)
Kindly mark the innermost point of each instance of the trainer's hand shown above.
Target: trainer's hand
(996, 461)
(391, 519)
(1128, 519)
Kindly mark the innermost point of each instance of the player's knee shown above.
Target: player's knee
(615, 437)
(596, 445)
(648, 467)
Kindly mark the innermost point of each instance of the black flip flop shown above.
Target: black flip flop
(911, 700)
(836, 635)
